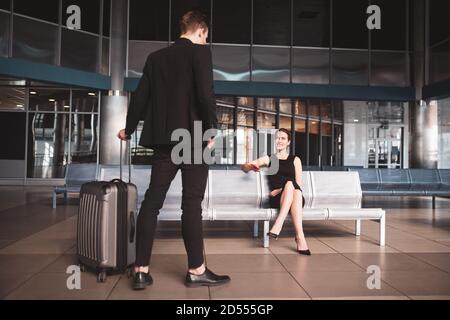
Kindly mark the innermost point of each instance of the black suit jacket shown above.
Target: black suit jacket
(175, 90)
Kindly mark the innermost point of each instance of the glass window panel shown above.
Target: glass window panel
(300, 107)
(248, 102)
(225, 116)
(310, 66)
(79, 50)
(12, 152)
(35, 41)
(12, 98)
(105, 57)
(326, 152)
(349, 24)
(271, 64)
(392, 35)
(440, 62)
(314, 108)
(388, 69)
(180, 7)
(5, 81)
(48, 144)
(266, 121)
(325, 110)
(285, 122)
(84, 101)
(272, 22)
(246, 145)
(90, 14)
(286, 105)
(439, 20)
(224, 147)
(311, 15)
(350, 67)
(385, 112)
(228, 100)
(444, 133)
(49, 100)
(231, 63)
(231, 21)
(4, 34)
(43, 9)
(338, 145)
(149, 20)
(245, 118)
(300, 139)
(338, 110)
(5, 5)
(84, 138)
(267, 104)
(314, 142)
(106, 16)
(138, 51)
(139, 155)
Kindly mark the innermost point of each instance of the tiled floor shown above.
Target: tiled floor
(37, 245)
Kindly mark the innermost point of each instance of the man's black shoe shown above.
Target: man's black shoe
(207, 278)
(142, 280)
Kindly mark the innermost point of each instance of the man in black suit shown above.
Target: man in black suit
(175, 90)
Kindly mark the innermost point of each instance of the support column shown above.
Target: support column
(114, 105)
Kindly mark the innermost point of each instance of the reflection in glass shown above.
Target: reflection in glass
(444, 133)
(286, 105)
(300, 107)
(84, 101)
(314, 108)
(270, 64)
(350, 67)
(267, 104)
(388, 69)
(314, 142)
(245, 118)
(4, 34)
(385, 112)
(49, 99)
(79, 50)
(247, 102)
(84, 138)
(338, 110)
(231, 63)
(338, 145)
(285, 122)
(310, 66)
(138, 52)
(300, 139)
(325, 109)
(35, 41)
(12, 98)
(326, 152)
(48, 144)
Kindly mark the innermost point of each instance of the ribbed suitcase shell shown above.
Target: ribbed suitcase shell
(106, 236)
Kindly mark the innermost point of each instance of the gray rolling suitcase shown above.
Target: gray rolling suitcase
(106, 237)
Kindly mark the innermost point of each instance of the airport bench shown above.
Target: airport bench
(234, 195)
(405, 182)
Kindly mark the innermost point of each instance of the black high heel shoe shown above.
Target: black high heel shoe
(303, 252)
(272, 235)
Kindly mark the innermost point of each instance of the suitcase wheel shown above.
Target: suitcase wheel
(101, 277)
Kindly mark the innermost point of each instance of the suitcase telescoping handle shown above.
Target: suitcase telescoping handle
(129, 160)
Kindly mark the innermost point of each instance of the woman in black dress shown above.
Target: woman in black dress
(286, 194)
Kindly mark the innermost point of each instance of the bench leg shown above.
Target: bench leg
(255, 228)
(383, 230)
(65, 196)
(433, 202)
(54, 200)
(266, 231)
(358, 227)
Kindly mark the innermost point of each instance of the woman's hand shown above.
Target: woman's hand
(250, 167)
(275, 192)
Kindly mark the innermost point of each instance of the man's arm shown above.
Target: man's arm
(204, 86)
(138, 101)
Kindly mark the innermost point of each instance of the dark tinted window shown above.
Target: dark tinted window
(180, 7)
(90, 14)
(44, 9)
(5, 4)
(439, 20)
(349, 24)
(106, 16)
(231, 21)
(392, 35)
(311, 15)
(149, 20)
(272, 22)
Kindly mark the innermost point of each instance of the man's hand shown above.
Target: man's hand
(122, 135)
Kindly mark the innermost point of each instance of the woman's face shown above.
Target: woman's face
(281, 140)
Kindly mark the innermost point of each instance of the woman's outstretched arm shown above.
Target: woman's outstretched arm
(255, 165)
(298, 171)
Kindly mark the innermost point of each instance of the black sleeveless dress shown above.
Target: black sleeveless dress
(286, 172)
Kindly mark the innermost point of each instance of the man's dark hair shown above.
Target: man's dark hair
(192, 20)
(287, 132)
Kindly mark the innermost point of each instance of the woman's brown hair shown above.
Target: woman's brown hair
(288, 132)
